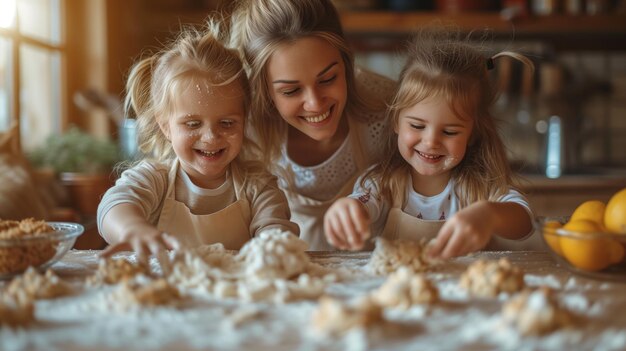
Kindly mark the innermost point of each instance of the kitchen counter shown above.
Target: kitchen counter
(576, 182)
(457, 322)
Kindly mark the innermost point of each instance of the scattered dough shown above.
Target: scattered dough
(16, 312)
(17, 258)
(404, 289)
(33, 285)
(243, 315)
(140, 291)
(274, 254)
(113, 271)
(272, 267)
(388, 256)
(536, 312)
(488, 278)
(334, 318)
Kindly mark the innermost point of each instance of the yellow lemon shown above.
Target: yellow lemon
(592, 210)
(552, 239)
(615, 213)
(589, 253)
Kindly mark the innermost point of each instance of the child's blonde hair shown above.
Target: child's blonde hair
(259, 28)
(154, 83)
(442, 64)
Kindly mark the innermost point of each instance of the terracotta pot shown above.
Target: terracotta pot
(86, 190)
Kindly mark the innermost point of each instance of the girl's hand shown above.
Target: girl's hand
(467, 231)
(346, 224)
(146, 240)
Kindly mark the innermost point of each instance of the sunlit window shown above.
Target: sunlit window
(7, 13)
(31, 58)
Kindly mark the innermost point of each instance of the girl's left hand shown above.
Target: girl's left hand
(467, 231)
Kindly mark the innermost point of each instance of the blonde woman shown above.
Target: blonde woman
(201, 182)
(316, 117)
(446, 174)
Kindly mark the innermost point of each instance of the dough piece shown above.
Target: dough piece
(536, 312)
(273, 267)
(18, 258)
(488, 278)
(281, 291)
(16, 312)
(33, 285)
(334, 318)
(274, 254)
(388, 256)
(113, 271)
(144, 292)
(206, 267)
(404, 289)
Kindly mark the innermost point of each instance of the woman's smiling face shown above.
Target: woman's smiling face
(307, 82)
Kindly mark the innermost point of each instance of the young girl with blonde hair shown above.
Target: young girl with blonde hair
(201, 181)
(446, 173)
(316, 117)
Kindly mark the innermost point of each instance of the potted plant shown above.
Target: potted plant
(84, 164)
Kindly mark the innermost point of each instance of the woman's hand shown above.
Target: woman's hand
(346, 224)
(467, 231)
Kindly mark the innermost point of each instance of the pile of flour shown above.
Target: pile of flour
(206, 321)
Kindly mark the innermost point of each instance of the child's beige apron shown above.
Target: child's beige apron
(309, 213)
(229, 226)
(401, 225)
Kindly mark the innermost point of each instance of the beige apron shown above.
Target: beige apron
(229, 226)
(309, 213)
(401, 225)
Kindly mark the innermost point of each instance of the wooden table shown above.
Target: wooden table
(458, 322)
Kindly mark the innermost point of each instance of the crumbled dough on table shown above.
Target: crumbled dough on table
(334, 317)
(536, 312)
(390, 255)
(16, 312)
(146, 292)
(33, 285)
(272, 267)
(116, 270)
(404, 288)
(488, 278)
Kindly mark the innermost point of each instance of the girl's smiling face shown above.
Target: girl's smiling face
(432, 138)
(206, 129)
(306, 80)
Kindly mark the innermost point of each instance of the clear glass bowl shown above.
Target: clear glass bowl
(40, 251)
(600, 255)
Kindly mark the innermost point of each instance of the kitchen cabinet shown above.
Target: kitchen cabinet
(561, 196)
(565, 32)
(384, 28)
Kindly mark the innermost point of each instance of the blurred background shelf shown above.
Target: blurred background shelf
(580, 32)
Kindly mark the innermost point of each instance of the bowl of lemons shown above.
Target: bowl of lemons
(592, 241)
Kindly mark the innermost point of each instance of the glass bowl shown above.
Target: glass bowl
(40, 250)
(599, 255)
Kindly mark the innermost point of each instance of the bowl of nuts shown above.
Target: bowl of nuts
(36, 243)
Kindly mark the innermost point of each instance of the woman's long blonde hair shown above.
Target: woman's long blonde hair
(259, 28)
(442, 64)
(155, 81)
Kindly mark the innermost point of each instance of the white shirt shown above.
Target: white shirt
(438, 207)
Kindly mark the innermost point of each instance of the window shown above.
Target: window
(32, 55)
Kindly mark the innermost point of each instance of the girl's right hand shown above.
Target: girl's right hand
(346, 224)
(146, 240)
